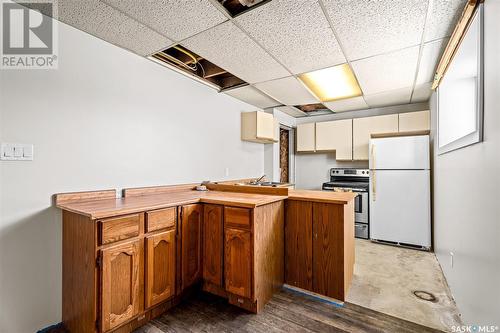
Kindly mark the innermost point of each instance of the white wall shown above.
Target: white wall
(466, 200)
(105, 119)
(312, 169)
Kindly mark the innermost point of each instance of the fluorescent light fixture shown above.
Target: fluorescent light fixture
(333, 83)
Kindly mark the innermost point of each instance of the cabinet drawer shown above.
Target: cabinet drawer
(237, 216)
(118, 228)
(161, 219)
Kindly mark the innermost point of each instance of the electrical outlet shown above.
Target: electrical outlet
(451, 259)
(226, 172)
(16, 152)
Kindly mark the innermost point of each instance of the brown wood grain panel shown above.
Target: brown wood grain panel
(268, 251)
(213, 244)
(251, 189)
(161, 219)
(191, 243)
(298, 244)
(237, 217)
(99, 209)
(349, 246)
(61, 198)
(79, 304)
(119, 228)
(160, 267)
(238, 263)
(322, 196)
(328, 250)
(121, 284)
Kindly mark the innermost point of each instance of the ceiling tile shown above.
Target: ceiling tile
(230, 48)
(109, 24)
(387, 71)
(291, 111)
(443, 17)
(430, 58)
(250, 95)
(348, 104)
(388, 98)
(173, 18)
(297, 33)
(367, 27)
(288, 91)
(422, 93)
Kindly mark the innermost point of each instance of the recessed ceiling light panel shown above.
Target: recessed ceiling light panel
(333, 83)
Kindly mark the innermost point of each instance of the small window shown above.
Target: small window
(460, 94)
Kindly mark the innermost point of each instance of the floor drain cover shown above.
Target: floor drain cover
(424, 295)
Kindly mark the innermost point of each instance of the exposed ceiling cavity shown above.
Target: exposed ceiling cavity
(254, 50)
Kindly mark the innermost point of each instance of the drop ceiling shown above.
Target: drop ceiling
(392, 46)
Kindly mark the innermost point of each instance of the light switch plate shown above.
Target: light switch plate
(16, 152)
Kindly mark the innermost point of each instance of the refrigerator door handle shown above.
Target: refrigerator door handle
(373, 176)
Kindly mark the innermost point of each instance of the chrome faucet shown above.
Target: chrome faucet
(258, 180)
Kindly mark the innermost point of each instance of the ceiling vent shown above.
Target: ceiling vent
(237, 7)
(314, 109)
(188, 62)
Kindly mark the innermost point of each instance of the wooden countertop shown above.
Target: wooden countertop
(97, 209)
(102, 208)
(321, 196)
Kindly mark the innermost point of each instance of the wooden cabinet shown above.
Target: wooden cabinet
(319, 252)
(364, 127)
(414, 121)
(337, 136)
(238, 262)
(121, 291)
(298, 240)
(328, 242)
(213, 244)
(160, 267)
(191, 231)
(258, 126)
(306, 137)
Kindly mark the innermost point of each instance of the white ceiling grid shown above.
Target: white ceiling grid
(383, 41)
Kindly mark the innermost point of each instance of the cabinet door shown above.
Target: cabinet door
(213, 243)
(328, 245)
(414, 121)
(335, 135)
(238, 262)
(298, 244)
(160, 267)
(191, 243)
(121, 291)
(364, 127)
(306, 137)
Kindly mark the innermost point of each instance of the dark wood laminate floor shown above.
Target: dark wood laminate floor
(286, 312)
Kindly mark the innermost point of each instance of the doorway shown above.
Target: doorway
(284, 155)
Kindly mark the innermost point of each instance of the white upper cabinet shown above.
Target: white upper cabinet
(258, 126)
(364, 127)
(306, 137)
(414, 121)
(337, 136)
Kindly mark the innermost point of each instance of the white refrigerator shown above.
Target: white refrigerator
(400, 195)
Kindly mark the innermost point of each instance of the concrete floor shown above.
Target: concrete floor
(386, 276)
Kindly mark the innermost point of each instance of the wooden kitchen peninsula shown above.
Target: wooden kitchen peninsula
(127, 260)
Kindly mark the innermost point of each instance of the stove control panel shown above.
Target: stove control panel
(349, 172)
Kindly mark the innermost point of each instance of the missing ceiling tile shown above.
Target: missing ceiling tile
(238, 7)
(192, 64)
(315, 109)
